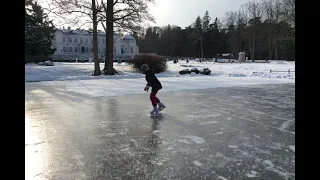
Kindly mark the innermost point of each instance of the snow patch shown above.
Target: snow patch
(292, 148)
(218, 133)
(196, 139)
(252, 174)
(197, 163)
(222, 178)
(208, 122)
(285, 124)
(233, 146)
(183, 141)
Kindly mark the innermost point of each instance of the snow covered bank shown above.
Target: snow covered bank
(83, 71)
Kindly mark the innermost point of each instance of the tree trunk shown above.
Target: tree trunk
(95, 40)
(275, 49)
(110, 70)
(105, 54)
(250, 48)
(253, 48)
(201, 41)
(270, 47)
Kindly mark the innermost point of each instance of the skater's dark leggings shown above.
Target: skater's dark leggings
(153, 98)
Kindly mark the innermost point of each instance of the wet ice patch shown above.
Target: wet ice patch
(252, 174)
(292, 148)
(197, 163)
(196, 139)
(233, 146)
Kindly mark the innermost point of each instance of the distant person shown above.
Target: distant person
(154, 83)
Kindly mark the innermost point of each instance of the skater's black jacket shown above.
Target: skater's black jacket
(152, 80)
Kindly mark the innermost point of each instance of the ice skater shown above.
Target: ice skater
(154, 83)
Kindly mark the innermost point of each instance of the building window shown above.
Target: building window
(81, 40)
(75, 49)
(87, 49)
(131, 49)
(70, 40)
(64, 39)
(91, 40)
(64, 49)
(86, 40)
(76, 40)
(103, 41)
(91, 49)
(70, 49)
(114, 49)
(122, 50)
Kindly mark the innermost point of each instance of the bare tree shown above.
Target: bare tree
(255, 13)
(230, 24)
(288, 8)
(268, 5)
(95, 39)
(126, 15)
(241, 22)
(230, 19)
(197, 34)
(81, 8)
(277, 18)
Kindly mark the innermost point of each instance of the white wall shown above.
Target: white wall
(61, 41)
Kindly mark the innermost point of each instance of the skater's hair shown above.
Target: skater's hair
(144, 67)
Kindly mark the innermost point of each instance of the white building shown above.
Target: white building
(77, 44)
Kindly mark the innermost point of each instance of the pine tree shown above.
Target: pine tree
(206, 21)
(39, 31)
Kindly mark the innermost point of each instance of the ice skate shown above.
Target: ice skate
(161, 106)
